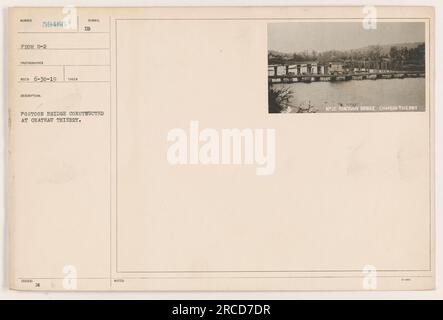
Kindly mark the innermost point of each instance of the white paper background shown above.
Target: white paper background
(5, 293)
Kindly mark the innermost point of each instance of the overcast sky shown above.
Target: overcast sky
(322, 36)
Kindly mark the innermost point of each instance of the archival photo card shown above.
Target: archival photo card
(157, 160)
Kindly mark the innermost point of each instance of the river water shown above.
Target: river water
(382, 92)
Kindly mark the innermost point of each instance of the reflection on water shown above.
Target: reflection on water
(388, 92)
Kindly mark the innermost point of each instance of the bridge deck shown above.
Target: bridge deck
(346, 76)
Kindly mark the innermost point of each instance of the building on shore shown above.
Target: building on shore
(298, 69)
(335, 67)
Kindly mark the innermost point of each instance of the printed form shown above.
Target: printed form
(226, 148)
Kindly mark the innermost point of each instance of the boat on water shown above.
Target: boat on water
(399, 76)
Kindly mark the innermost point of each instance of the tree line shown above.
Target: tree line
(389, 57)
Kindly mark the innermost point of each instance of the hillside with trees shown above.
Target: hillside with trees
(406, 56)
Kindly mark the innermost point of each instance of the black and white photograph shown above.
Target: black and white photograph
(345, 67)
